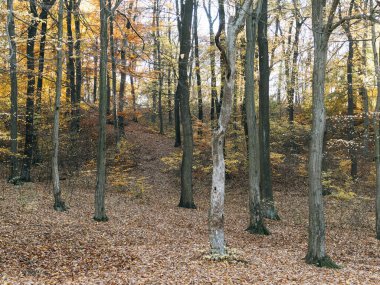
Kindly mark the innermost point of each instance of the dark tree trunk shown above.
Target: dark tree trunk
(269, 210)
(108, 103)
(256, 221)
(133, 97)
(78, 67)
(186, 200)
(100, 213)
(197, 67)
(14, 170)
(177, 116)
(159, 66)
(28, 148)
(222, 65)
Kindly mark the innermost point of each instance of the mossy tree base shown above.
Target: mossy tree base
(325, 261)
(101, 219)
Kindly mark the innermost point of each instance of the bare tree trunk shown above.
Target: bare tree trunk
(28, 148)
(123, 77)
(197, 67)
(216, 213)
(100, 213)
(256, 222)
(78, 66)
(159, 66)
(177, 117)
(214, 92)
(14, 171)
(269, 210)
(95, 71)
(376, 125)
(186, 200)
(317, 237)
(59, 204)
(113, 70)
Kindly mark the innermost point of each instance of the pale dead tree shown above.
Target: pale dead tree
(216, 213)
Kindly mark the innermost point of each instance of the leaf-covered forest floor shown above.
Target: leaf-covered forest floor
(149, 240)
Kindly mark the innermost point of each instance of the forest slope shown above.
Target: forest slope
(149, 240)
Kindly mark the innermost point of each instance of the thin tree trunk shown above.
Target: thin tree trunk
(59, 204)
(214, 92)
(197, 67)
(256, 222)
(376, 125)
(216, 213)
(14, 169)
(78, 67)
(159, 66)
(95, 71)
(28, 148)
(269, 210)
(363, 89)
(113, 70)
(186, 200)
(177, 116)
(123, 77)
(133, 97)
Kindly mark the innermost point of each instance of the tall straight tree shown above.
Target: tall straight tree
(123, 77)
(159, 67)
(28, 148)
(113, 69)
(78, 66)
(322, 28)
(376, 124)
(177, 95)
(350, 94)
(14, 172)
(59, 204)
(100, 212)
(214, 92)
(269, 210)
(228, 51)
(256, 222)
(197, 66)
(183, 91)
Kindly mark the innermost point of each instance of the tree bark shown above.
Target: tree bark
(95, 71)
(78, 67)
(216, 213)
(214, 92)
(100, 213)
(123, 77)
(159, 66)
(177, 116)
(59, 204)
(269, 210)
(113, 69)
(317, 237)
(186, 200)
(14, 169)
(198, 68)
(256, 222)
(28, 148)
(376, 125)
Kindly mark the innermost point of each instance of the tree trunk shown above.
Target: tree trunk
(113, 70)
(123, 77)
(256, 222)
(14, 170)
(159, 66)
(214, 92)
(133, 97)
(28, 149)
(197, 67)
(216, 213)
(59, 204)
(100, 213)
(95, 71)
(70, 68)
(186, 200)
(376, 125)
(269, 210)
(317, 240)
(78, 67)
